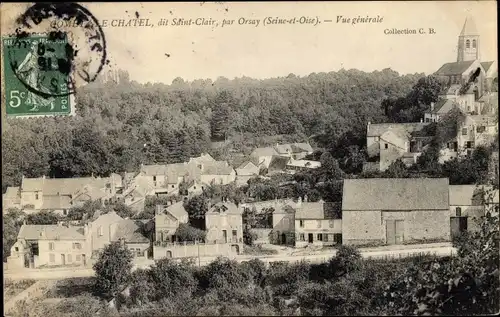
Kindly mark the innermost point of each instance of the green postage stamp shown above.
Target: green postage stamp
(36, 76)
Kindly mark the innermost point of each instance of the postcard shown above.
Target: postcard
(250, 158)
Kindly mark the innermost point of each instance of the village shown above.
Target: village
(358, 191)
(371, 212)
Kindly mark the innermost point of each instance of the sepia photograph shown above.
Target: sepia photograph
(301, 158)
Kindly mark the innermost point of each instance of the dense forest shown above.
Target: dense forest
(120, 125)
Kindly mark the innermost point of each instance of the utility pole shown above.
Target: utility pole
(199, 259)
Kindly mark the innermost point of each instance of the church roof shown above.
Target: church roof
(455, 68)
(469, 28)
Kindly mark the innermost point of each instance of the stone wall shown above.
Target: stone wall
(180, 250)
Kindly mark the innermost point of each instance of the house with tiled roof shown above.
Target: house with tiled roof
(387, 142)
(11, 198)
(132, 234)
(468, 204)
(263, 155)
(224, 223)
(278, 164)
(380, 211)
(99, 232)
(167, 220)
(48, 245)
(313, 227)
(476, 130)
(165, 179)
(246, 171)
(60, 194)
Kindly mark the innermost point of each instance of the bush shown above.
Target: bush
(112, 269)
(185, 232)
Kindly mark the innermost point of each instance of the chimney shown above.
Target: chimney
(305, 198)
(299, 202)
(432, 106)
(368, 126)
(159, 209)
(85, 229)
(421, 120)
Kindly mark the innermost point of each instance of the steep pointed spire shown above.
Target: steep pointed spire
(469, 27)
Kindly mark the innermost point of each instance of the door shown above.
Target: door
(310, 238)
(400, 229)
(224, 236)
(63, 259)
(283, 238)
(394, 231)
(84, 259)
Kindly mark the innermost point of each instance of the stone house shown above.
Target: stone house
(296, 151)
(224, 223)
(48, 245)
(312, 227)
(467, 206)
(438, 110)
(11, 198)
(283, 231)
(246, 171)
(477, 130)
(133, 235)
(99, 231)
(60, 194)
(167, 220)
(387, 142)
(263, 156)
(395, 211)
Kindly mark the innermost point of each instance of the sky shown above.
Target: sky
(162, 53)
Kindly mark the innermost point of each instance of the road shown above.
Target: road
(441, 249)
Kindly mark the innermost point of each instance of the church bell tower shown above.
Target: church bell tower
(468, 42)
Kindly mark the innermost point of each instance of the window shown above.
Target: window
(474, 44)
(235, 233)
(464, 131)
(427, 120)
(386, 145)
(458, 211)
(65, 212)
(326, 238)
(138, 252)
(51, 246)
(318, 223)
(17, 249)
(52, 258)
(78, 258)
(173, 186)
(496, 209)
(154, 178)
(36, 196)
(302, 237)
(301, 223)
(194, 187)
(77, 245)
(468, 144)
(467, 44)
(69, 258)
(332, 223)
(481, 129)
(320, 237)
(99, 231)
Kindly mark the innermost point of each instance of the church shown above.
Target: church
(484, 74)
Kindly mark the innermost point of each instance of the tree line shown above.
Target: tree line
(119, 126)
